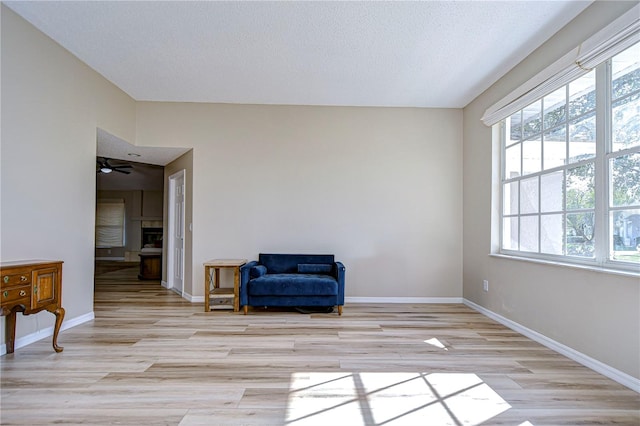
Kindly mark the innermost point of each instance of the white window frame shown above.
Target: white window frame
(606, 43)
(603, 238)
(607, 180)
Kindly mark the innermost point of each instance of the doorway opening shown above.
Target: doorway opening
(131, 245)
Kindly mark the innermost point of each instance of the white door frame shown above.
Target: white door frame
(171, 246)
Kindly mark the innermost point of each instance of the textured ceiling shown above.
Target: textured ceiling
(420, 54)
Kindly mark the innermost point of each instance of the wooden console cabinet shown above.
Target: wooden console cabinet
(29, 287)
(150, 266)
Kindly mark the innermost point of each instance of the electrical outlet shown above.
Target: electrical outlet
(485, 285)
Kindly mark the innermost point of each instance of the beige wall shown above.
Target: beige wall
(378, 187)
(51, 106)
(185, 162)
(595, 313)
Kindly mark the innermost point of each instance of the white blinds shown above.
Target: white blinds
(611, 40)
(110, 223)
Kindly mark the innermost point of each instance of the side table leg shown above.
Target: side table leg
(59, 313)
(207, 287)
(236, 289)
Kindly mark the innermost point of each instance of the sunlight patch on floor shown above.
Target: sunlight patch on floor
(391, 399)
(437, 343)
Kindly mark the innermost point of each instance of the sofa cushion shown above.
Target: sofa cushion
(257, 271)
(293, 285)
(288, 263)
(315, 268)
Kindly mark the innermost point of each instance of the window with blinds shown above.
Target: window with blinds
(110, 220)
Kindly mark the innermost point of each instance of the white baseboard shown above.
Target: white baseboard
(417, 300)
(110, 258)
(598, 366)
(355, 300)
(184, 295)
(193, 299)
(47, 332)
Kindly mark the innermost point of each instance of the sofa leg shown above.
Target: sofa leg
(245, 308)
(339, 309)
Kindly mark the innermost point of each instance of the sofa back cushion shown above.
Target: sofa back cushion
(288, 263)
(315, 268)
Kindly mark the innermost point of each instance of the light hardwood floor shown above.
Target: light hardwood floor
(150, 357)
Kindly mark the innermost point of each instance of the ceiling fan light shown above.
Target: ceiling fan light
(105, 170)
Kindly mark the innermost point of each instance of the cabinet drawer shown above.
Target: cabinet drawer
(16, 294)
(16, 278)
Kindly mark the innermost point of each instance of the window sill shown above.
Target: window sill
(600, 269)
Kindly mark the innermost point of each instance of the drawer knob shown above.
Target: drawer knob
(6, 279)
(5, 294)
(23, 278)
(23, 293)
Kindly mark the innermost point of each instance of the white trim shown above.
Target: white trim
(110, 258)
(193, 299)
(184, 294)
(560, 263)
(356, 300)
(415, 300)
(170, 260)
(47, 332)
(606, 43)
(597, 366)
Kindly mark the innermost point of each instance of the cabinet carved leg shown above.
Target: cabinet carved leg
(10, 331)
(59, 313)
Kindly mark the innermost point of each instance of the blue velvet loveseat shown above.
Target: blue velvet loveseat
(293, 280)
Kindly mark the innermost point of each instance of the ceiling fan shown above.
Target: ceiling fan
(105, 167)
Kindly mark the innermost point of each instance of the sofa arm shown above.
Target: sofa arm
(244, 280)
(340, 273)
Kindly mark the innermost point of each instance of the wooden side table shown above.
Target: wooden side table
(213, 293)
